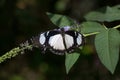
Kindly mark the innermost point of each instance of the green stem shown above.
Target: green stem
(116, 26)
(91, 34)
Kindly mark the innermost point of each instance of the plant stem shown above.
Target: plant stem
(116, 26)
(91, 34)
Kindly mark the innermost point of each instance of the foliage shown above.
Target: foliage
(107, 46)
(105, 14)
(70, 60)
(106, 41)
(60, 20)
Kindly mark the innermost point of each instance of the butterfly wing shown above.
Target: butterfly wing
(69, 41)
(42, 39)
(73, 39)
(59, 42)
(55, 42)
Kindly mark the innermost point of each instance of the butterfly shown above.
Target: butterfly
(59, 41)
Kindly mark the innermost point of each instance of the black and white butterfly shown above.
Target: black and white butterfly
(60, 41)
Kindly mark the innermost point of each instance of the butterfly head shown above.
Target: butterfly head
(66, 28)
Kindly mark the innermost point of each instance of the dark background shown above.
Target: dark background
(22, 19)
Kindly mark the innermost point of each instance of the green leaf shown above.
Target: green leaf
(70, 60)
(91, 27)
(107, 46)
(108, 14)
(60, 20)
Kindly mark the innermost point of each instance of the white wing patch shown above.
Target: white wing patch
(56, 42)
(69, 41)
(42, 39)
(79, 39)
